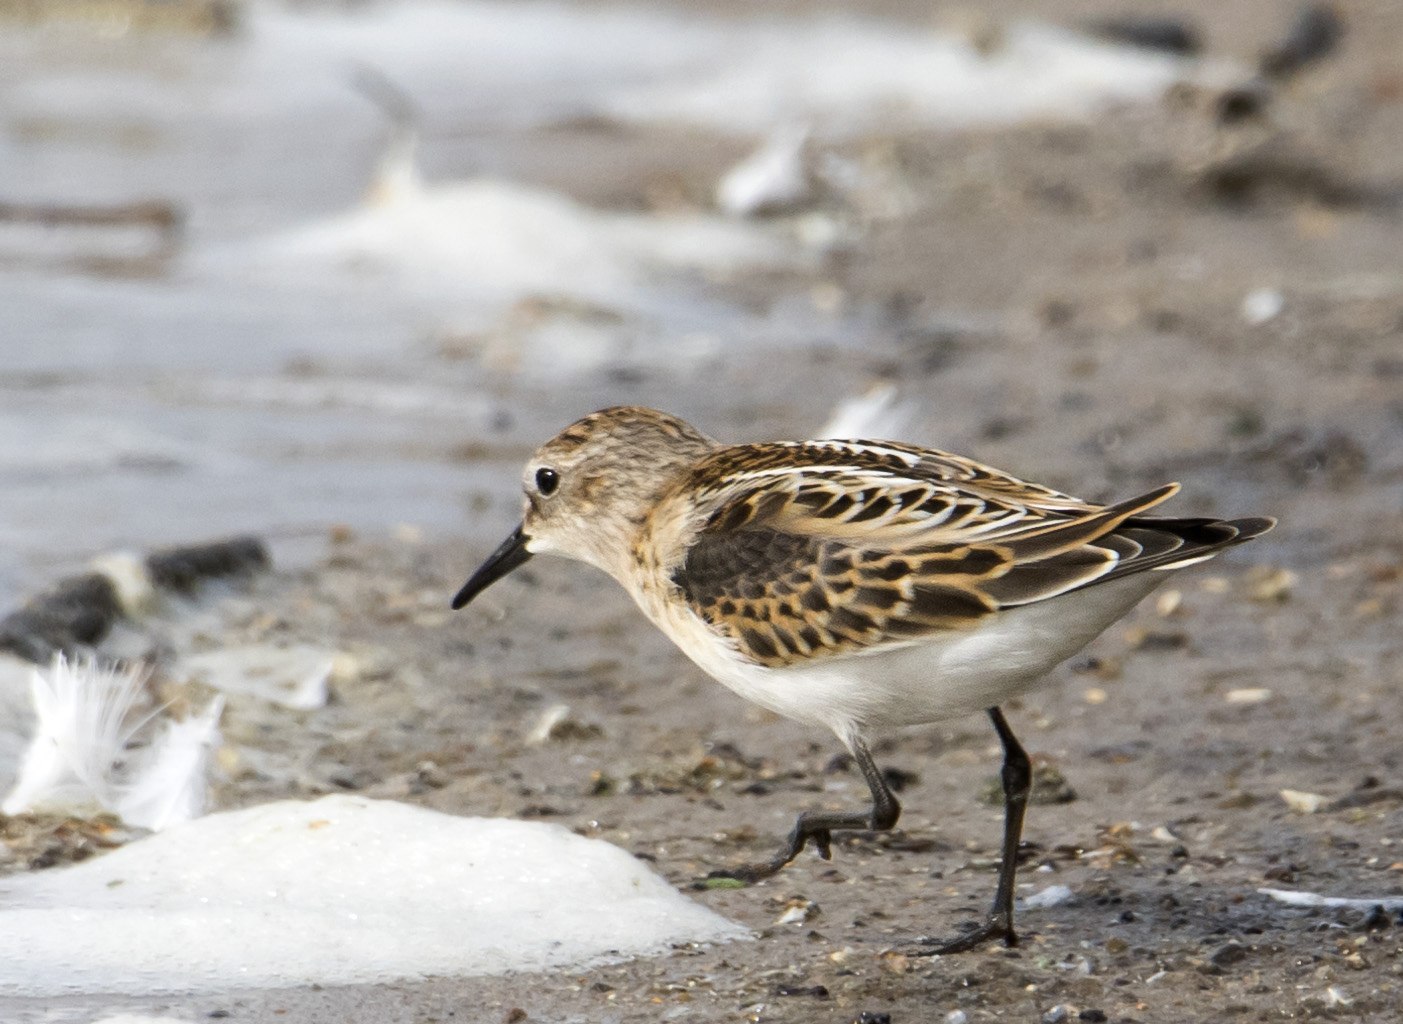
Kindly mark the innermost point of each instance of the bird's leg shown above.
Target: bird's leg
(817, 826)
(1017, 778)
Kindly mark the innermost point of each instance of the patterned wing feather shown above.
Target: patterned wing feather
(869, 491)
(783, 597)
(840, 547)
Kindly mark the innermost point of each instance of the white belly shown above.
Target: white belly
(948, 676)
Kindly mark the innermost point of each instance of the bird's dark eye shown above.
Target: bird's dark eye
(547, 480)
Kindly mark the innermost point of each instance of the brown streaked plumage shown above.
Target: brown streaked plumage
(854, 584)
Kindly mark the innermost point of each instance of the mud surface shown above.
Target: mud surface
(1066, 302)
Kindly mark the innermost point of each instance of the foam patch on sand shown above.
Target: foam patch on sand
(843, 75)
(496, 241)
(341, 890)
(541, 62)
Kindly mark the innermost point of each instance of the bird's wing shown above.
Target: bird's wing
(820, 548)
(870, 491)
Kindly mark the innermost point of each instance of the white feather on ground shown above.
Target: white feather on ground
(1052, 896)
(74, 763)
(79, 735)
(875, 414)
(1296, 898)
(169, 785)
(772, 179)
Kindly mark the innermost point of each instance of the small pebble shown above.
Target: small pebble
(797, 911)
(1335, 996)
(1052, 896)
(1228, 954)
(1302, 802)
(1268, 584)
(1165, 34)
(1262, 305)
(811, 991)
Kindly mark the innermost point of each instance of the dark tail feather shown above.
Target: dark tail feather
(1197, 539)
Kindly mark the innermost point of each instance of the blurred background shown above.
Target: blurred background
(327, 272)
(282, 266)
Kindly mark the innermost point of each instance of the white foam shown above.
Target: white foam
(842, 74)
(487, 242)
(495, 241)
(544, 61)
(338, 891)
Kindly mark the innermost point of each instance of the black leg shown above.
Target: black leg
(817, 826)
(1017, 779)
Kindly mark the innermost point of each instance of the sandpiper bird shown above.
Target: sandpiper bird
(858, 585)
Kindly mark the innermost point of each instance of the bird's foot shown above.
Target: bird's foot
(749, 874)
(993, 928)
(745, 874)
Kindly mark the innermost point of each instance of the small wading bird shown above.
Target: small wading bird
(858, 585)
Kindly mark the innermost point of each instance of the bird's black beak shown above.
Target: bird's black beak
(509, 556)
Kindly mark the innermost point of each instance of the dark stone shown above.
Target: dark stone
(1377, 919)
(813, 991)
(182, 569)
(1313, 36)
(1168, 35)
(76, 613)
(899, 778)
(1228, 954)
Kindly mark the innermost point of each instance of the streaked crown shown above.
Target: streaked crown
(589, 488)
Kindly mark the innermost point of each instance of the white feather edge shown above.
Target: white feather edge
(876, 412)
(72, 763)
(168, 786)
(81, 709)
